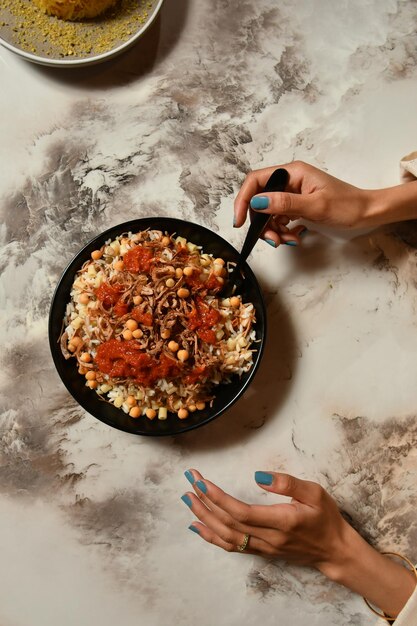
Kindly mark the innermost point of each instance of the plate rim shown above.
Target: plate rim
(80, 62)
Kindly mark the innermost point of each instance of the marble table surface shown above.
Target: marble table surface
(92, 528)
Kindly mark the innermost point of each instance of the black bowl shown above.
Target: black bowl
(225, 395)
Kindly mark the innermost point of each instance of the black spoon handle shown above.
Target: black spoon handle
(276, 182)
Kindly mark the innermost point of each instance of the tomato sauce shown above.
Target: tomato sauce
(125, 359)
(196, 375)
(202, 319)
(207, 335)
(210, 284)
(108, 294)
(121, 309)
(140, 316)
(138, 259)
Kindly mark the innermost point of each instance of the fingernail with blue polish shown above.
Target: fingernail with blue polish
(194, 529)
(291, 243)
(188, 475)
(271, 242)
(187, 500)
(201, 486)
(263, 478)
(259, 203)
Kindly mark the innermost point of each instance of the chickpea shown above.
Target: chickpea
(166, 333)
(131, 400)
(93, 384)
(90, 375)
(137, 300)
(183, 293)
(173, 346)
(137, 334)
(127, 334)
(182, 414)
(134, 412)
(83, 299)
(96, 255)
(178, 272)
(150, 413)
(166, 241)
(72, 347)
(218, 270)
(119, 265)
(82, 370)
(85, 357)
(131, 325)
(188, 271)
(200, 405)
(192, 408)
(77, 341)
(219, 261)
(234, 301)
(170, 282)
(183, 355)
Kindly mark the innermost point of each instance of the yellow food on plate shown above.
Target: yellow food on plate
(75, 9)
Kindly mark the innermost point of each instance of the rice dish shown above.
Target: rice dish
(150, 331)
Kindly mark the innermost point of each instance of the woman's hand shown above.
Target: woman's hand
(307, 530)
(320, 198)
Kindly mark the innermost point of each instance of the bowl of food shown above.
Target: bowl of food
(73, 33)
(141, 335)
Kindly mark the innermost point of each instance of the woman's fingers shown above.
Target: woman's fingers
(304, 491)
(276, 516)
(255, 182)
(196, 479)
(208, 535)
(283, 235)
(285, 203)
(227, 534)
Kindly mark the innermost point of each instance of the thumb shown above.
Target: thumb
(285, 203)
(286, 485)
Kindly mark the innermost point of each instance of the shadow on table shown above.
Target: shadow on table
(151, 49)
(274, 378)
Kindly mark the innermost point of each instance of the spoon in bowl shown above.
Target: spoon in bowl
(276, 182)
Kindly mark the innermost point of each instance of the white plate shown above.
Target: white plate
(45, 52)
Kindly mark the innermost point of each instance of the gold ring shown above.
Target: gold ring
(244, 543)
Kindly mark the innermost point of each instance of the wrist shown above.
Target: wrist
(393, 204)
(362, 569)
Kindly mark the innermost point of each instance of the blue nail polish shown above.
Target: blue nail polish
(188, 475)
(194, 529)
(201, 486)
(291, 243)
(187, 500)
(271, 242)
(259, 203)
(263, 478)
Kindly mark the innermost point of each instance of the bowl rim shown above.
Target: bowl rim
(98, 58)
(76, 262)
